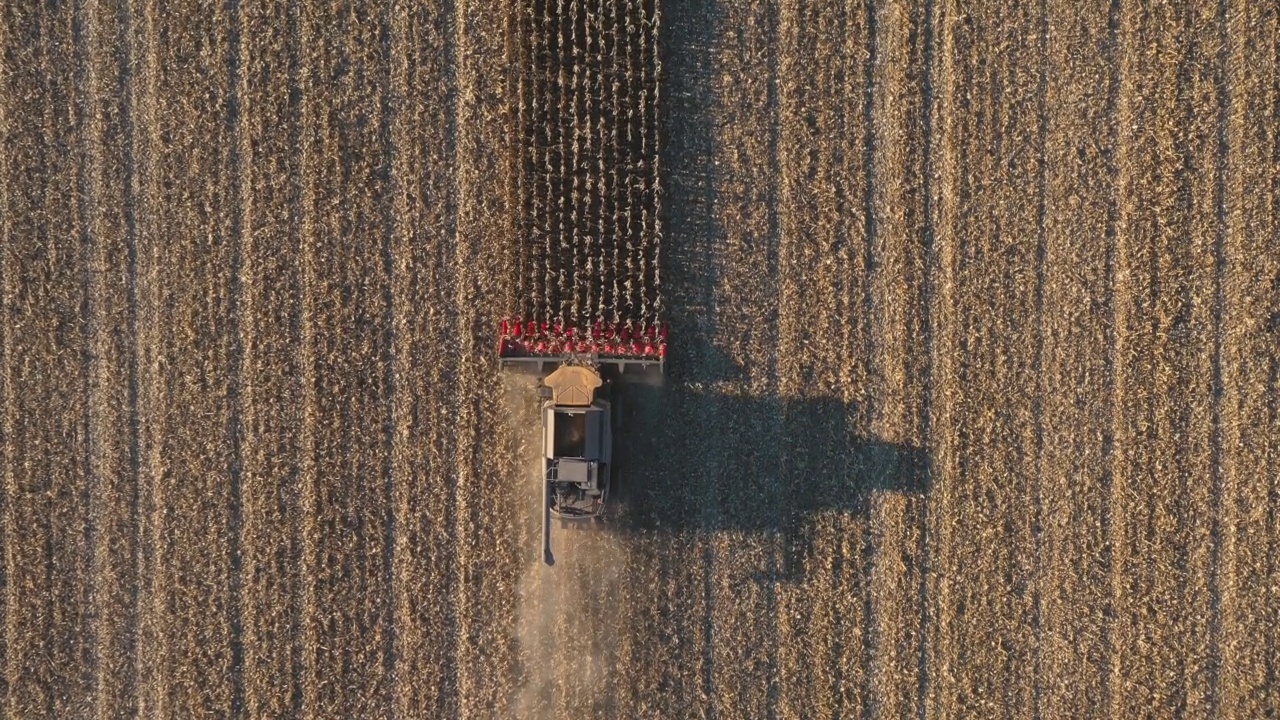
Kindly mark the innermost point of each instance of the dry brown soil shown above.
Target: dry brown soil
(973, 397)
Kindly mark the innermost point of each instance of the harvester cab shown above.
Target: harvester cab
(577, 385)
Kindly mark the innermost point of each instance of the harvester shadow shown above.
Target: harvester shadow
(698, 456)
(765, 467)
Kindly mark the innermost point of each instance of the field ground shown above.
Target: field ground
(973, 405)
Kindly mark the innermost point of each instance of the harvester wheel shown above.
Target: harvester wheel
(616, 510)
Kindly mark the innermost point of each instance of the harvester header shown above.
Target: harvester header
(606, 342)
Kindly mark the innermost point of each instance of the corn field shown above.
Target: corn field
(972, 397)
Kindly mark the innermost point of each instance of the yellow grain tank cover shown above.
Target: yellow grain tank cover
(573, 385)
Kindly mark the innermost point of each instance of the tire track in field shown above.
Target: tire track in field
(895, 113)
(848, 551)
(1112, 471)
(467, 513)
(6, 430)
(948, 101)
(425, 449)
(1132, 360)
(48, 654)
(236, 139)
(880, 318)
(1271, 113)
(192, 242)
(85, 210)
(468, 517)
(151, 314)
(944, 86)
(1192, 330)
(297, 558)
(1037, 365)
(72, 608)
(307, 219)
(997, 260)
(770, 381)
(271, 373)
(1251, 290)
(303, 206)
(807, 321)
(1203, 148)
(794, 176)
(1077, 356)
(386, 175)
(7, 234)
(346, 635)
(1213, 670)
(1270, 694)
(1169, 216)
(132, 202)
(488, 562)
(112, 383)
(931, 264)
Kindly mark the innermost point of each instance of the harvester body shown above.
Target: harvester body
(578, 413)
(577, 448)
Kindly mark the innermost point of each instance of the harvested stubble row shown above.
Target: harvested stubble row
(588, 245)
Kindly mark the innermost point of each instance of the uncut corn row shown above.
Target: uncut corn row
(587, 180)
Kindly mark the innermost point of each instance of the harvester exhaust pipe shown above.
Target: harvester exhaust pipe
(547, 557)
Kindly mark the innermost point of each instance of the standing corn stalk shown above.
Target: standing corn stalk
(589, 236)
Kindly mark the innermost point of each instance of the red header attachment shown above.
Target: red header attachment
(625, 341)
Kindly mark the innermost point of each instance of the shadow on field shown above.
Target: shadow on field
(697, 455)
(700, 462)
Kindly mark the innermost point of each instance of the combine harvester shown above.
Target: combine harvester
(586, 311)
